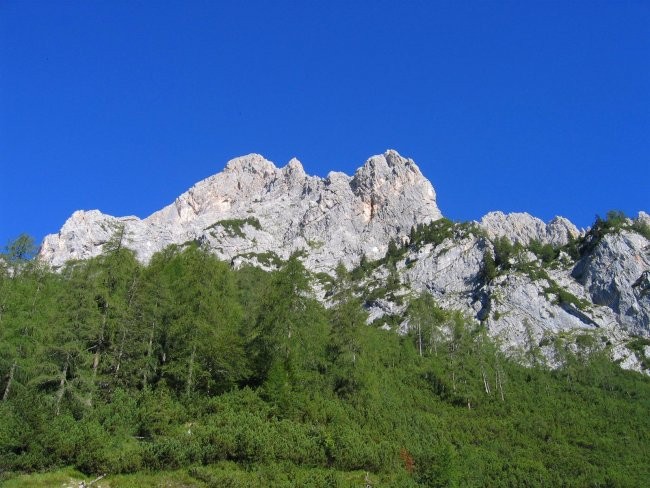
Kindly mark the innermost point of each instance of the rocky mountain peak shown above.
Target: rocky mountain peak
(251, 163)
(387, 167)
(294, 166)
(255, 208)
(390, 177)
(294, 171)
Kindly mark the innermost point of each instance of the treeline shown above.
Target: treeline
(243, 378)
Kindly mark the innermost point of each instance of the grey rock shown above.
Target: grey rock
(450, 271)
(520, 312)
(253, 210)
(523, 228)
(615, 274)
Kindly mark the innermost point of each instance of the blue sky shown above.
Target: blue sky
(541, 107)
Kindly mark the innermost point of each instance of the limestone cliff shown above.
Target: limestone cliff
(253, 210)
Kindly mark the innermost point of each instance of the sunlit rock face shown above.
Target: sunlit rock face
(523, 228)
(252, 209)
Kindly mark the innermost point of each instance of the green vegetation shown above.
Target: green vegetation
(186, 372)
(268, 259)
(639, 345)
(615, 221)
(563, 296)
(507, 256)
(437, 231)
(546, 253)
(432, 233)
(315, 244)
(235, 227)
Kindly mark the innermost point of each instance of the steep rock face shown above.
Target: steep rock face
(83, 235)
(523, 228)
(450, 272)
(521, 312)
(616, 274)
(525, 315)
(528, 312)
(255, 211)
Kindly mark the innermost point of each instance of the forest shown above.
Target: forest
(192, 373)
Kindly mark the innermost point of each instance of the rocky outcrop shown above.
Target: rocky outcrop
(615, 274)
(531, 309)
(451, 271)
(522, 228)
(643, 218)
(255, 211)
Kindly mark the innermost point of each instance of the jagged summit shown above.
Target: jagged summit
(522, 228)
(279, 210)
(254, 208)
(253, 163)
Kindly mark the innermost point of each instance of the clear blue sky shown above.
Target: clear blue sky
(518, 106)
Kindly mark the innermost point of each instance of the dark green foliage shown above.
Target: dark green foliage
(501, 259)
(437, 231)
(639, 345)
(394, 252)
(489, 270)
(363, 269)
(508, 257)
(241, 378)
(432, 233)
(504, 251)
(615, 221)
(641, 228)
(563, 296)
(234, 227)
(545, 252)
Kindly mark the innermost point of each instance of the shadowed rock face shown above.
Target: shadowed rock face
(616, 275)
(253, 208)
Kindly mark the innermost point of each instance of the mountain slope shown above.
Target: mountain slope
(548, 282)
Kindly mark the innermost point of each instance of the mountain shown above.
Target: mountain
(253, 209)
(534, 285)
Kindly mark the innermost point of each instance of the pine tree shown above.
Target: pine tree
(347, 316)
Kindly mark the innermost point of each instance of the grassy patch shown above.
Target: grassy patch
(265, 258)
(234, 227)
(62, 477)
(315, 244)
(70, 478)
(275, 474)
(563, 296)
(638, 345)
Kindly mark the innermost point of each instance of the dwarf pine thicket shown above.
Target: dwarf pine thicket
(241, 378)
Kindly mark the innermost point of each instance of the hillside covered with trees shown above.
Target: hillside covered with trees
(186, 369)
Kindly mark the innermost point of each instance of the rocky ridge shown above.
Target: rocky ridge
(254, 212)
(522, 228)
